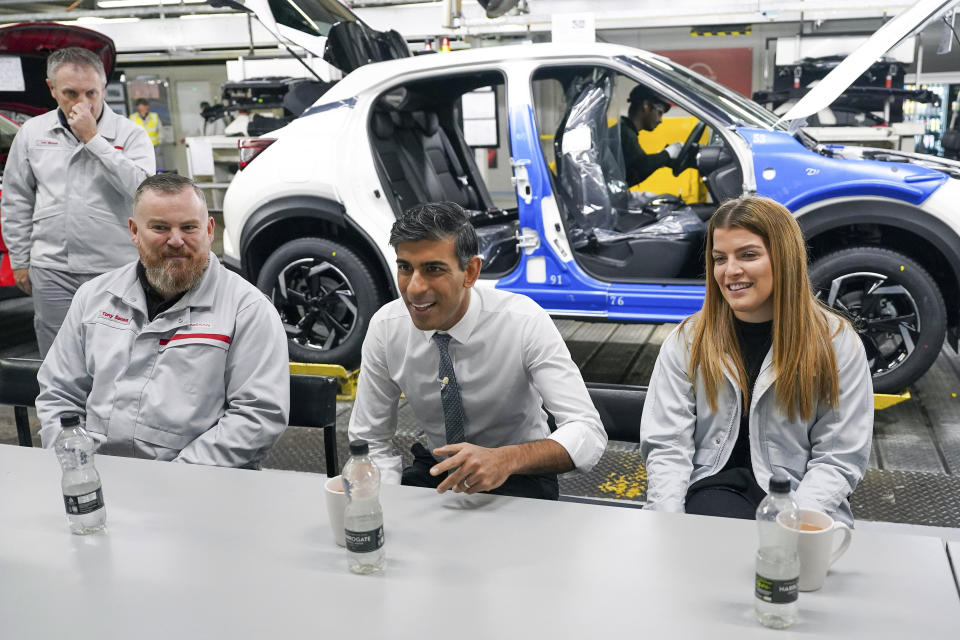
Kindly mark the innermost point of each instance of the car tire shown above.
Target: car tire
(894, 305)
(325, 295)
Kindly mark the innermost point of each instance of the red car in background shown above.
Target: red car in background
(32, 43)
(8, 129)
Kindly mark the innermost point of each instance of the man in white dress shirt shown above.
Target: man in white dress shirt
(477, 365)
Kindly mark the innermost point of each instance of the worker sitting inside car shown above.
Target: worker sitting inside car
(644, 114)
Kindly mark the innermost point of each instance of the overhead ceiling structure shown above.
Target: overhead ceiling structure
(20, 11)
(472, 14)
(164, 26)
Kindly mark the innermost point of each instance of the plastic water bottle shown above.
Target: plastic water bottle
(82, 492)
(778, 565)
(363, 517)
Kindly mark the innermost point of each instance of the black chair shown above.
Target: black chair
(19, 387)
(313, 402)
(619, 407)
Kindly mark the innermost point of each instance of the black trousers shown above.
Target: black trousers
(731, 493)
(544, 487)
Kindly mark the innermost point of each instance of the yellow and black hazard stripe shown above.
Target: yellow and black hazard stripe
(722, 30)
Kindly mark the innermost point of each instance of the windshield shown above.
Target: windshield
(736, 108)
(314, 17)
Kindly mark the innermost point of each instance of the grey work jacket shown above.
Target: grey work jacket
(65, 204)
(207, 381)
(683, 441)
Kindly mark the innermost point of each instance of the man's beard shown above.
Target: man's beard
(169, 282)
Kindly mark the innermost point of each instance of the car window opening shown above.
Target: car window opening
(423, 156)
(619, 233)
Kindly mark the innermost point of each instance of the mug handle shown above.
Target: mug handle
(847, 535)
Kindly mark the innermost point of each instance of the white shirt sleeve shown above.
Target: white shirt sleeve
(558, 381)
(374, 416)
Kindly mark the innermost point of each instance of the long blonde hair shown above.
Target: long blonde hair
(804, 362)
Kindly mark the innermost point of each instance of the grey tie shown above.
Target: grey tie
(453, 418)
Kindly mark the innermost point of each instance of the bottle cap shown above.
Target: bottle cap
(359, 448)
(68, 420)
(779, 484)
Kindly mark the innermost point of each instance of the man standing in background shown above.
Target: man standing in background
(150, 122)
(68, 190)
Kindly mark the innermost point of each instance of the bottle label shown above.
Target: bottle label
(87, 503)
(777, 591)
(364, 541)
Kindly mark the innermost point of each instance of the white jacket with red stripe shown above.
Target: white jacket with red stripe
(206, 382)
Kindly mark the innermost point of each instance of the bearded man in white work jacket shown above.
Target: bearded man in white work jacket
(171, 357)
(68, 190)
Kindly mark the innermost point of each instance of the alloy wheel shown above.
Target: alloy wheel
(316, 302)
(882, 311)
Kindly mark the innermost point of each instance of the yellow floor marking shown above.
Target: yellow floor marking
(628, 486)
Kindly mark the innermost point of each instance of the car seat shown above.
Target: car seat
(616, 233)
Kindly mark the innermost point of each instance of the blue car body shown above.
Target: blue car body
(314, 219)
(785, 170)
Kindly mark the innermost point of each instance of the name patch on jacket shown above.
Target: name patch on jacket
(114, 317)
(47, 142)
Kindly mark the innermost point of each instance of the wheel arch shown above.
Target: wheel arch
(891, 225)
(292, 217)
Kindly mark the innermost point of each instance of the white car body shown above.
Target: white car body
(309, 218)
(293, 167)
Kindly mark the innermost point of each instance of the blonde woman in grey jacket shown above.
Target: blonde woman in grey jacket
(761, 342)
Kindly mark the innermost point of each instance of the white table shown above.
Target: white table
(201, 552)
(953, 550)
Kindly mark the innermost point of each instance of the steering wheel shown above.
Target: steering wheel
(682, 158)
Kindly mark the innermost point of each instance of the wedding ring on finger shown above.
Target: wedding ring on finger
(466, 485)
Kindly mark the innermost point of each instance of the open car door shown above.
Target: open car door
(327, 29)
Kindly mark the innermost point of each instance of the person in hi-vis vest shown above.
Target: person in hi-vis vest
(149, 121)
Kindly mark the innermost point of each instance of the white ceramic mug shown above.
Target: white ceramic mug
(815, 532)
(336, 502)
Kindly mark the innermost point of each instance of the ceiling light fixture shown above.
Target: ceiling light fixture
(96, 20)
(126, 4)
